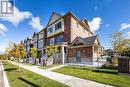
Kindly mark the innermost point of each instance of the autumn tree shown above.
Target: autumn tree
(22, 51)
(119, 43)
(51, 50)
(9, 49)
(33, 52)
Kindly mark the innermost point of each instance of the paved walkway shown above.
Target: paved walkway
(55, 67)
(65, 79)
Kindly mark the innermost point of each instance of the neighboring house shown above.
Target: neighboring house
(76, 42)
(110, 52)
(28, 43)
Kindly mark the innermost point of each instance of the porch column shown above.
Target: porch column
(63, 55)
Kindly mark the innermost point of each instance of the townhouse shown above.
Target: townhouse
(76, 42)
(28, 43)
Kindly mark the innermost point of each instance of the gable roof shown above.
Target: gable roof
(89, 41)
(53, 18)
(34, 34)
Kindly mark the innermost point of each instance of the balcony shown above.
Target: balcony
(60, 30)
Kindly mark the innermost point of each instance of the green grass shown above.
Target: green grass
(106, 76)
(50, 66)
(25, 78)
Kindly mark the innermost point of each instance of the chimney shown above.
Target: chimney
(85, 21)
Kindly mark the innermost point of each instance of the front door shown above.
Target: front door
(78, 56)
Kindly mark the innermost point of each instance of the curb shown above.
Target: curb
(5, 79)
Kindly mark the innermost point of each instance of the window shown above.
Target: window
(40, 43)
(59, 39)
(35, 45)
(52, 41)
(35, 39)
(50, 30)
(40, 35)
(58, 25)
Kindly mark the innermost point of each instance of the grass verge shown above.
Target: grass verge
(106, 76)
(25, 78)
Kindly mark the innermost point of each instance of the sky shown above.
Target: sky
(104, 17)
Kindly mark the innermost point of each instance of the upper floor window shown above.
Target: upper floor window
(59, 39)
(58, 25)
(35, 45)
(40, 35)
(52, 41)
(35, 39)
(40, 43)
(50, 30)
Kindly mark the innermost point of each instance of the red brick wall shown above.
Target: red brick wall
(85, 52)
(45, 36)
(67, 29)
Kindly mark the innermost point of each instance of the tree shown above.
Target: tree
(119, 43)
(15, 52)
(33, 53)
(51, 50)
(22, 51)
(8, 50)
(3, 57)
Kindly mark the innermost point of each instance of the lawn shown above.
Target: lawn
(25, 78)
(106, 76)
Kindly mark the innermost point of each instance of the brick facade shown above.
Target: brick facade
(67, 29)
(70, 28)
(85, 52)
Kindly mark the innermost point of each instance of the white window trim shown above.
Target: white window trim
(58, 30)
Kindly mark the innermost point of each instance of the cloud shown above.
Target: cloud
(2, 47)
(17, 17)
(95, 23)
(3, 29)
(128, 35)
(107, 25)
(20, 16)
(35, 23)
(124, 26)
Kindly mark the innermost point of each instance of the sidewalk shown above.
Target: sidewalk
(55, 67)
(66, 79)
